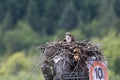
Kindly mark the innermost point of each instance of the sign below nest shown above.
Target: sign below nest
(69, 59)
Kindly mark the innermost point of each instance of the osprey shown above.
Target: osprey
(69, 38)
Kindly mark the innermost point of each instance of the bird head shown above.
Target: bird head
(77, 53)
(67, 33)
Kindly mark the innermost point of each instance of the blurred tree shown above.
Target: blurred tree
(33, 16)
(17, 8)
(3, 10)
(48, 17)
(116, 7)
(7, 23)
(2, 46)
(20, 38)
(69, 19)
(87, 9)
(111, 49)
(15, 64)
(42, 16)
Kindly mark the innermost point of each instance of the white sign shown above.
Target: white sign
(98, 71)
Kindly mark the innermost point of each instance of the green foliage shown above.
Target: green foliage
(113, 51)
(40, 18)
(111, 45)
(15, 64)
(21, 37)
(116, 7)
(78, 34)
(27, 23)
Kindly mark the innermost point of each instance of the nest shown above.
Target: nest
(71, 57)
(81, 49)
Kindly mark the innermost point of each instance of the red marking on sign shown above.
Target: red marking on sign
(98, 71)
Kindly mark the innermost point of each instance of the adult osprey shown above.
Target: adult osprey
(69, 38)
